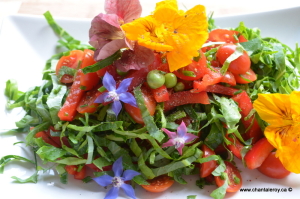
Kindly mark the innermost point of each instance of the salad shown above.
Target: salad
(156, 98)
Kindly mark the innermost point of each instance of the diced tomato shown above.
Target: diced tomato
(89, 80)
(87, 103)
(185, 97)
(161, 94)
(79, 175)
(135, 112)
(258, 153)
(236, 146)
(46, 138)
(71, 169)
(234, 178)
(220, 89)
(71, 61)
(159, 184)
(198, 69)
(95, 168)
(207, 167)
(68, 110)
(139, 76)
(273, 168)
(246, 78)
(245, 104)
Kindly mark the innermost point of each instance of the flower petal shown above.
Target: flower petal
(128, 98)
(188, 137)
(104, 180)
(116, 107)
(128, 190)
(181, 130)
(110, 48)
(108, 82)
(179, 149)
(123, 87)
(101, 98)
(128, 10)
(168, 143)
(129, 174)
(112, 193)
(118, 167)
(170, 133)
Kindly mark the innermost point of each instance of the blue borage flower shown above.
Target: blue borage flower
(118, 181)
(116, 95)
(180, 138)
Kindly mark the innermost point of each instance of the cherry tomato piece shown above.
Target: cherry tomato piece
(159, 184)
(161, 94)
(79, 175)
(46, 138)
(236, 146)
(258, 153)
(207, 167)
(246, 78)
(238, 66)
(273, 168)
(220, 89)
(72, 60)
(234, 178)
(87, 103)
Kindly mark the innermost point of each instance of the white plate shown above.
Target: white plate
(27, 41)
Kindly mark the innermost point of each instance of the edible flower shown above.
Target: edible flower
(115, 95)
(282, 113)
(178, 34)
(105, 33)
(180, 138)
(118, 181)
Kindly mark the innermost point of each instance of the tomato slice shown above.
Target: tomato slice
(46, 138)
(220, 89)
(185, 97)
(161, 94)
(87, 103)
(207, 167)
(198, 69)
(246, 78)
(159, 184)
(71, 169)
(89, 80)
(234, 178)
(245, 104)
(135, 112)
(258, 153)
(236, 146)
(273, 168)
(68, 110)
(72, 60)
(80, 175)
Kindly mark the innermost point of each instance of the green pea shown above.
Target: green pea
(171, 80)
(155, 79)
(179, 87)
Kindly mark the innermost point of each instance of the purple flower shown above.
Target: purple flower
(180, 138)
(118, 181)
(116, 95)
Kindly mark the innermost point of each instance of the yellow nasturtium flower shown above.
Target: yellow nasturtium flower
(177, 33)
(282, 113)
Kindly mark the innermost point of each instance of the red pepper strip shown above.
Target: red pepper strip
(220, 89)
(68, 110)
(161, 94)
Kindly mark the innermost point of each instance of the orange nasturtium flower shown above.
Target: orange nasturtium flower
(177, 33)
(282, 113)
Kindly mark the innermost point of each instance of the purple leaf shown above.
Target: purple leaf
(128, 190)
(110, 48)
(128, 10)
(104, 180)
(129, 174)
(112, 193)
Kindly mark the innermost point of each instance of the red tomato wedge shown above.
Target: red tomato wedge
(207, 167)
(46, 138)
(246, 78)
(161, 94)
(89, 80)
(199, 69)
(159, 184)
(245, 104)
(234, 178)
(71, 169)
(72, 60)
(68, 110)
(87, 103)
(80, 175)
(273, 168)
(220, 89)
(139, 76)
(186, 97)
(258, 153)
(236, 146)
